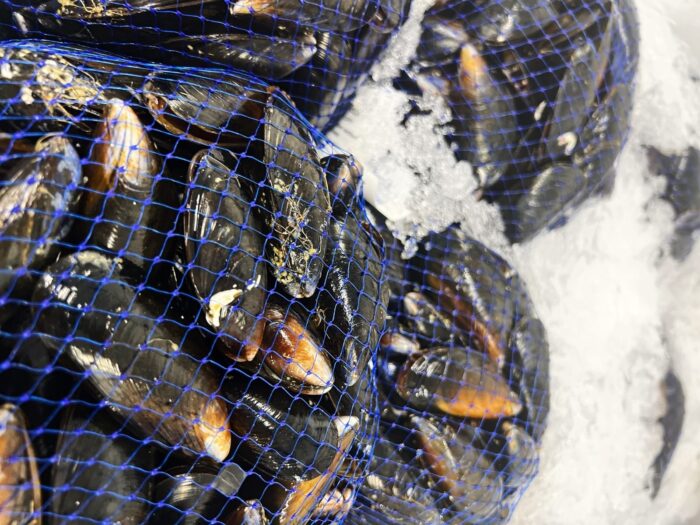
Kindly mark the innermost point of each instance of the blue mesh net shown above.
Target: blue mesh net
(202, 321)
(540, 93)
(318, 52)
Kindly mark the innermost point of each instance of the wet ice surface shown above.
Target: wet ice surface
(617, 308)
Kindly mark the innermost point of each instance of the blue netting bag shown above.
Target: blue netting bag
(319, 52)
(201, 320)
(540, 93)
(463, 387)
(191, 298)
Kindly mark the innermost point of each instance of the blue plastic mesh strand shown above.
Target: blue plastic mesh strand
(319, 52)
(540, 92)
(200, 319)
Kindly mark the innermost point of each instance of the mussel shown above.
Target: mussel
(293, 355)
(298, 206)
(100, 473)
(126, 197)
(37, 200)
(268, 56)
(485, 117)
(473, 486)
(352, 302)
(199, 494)
(20, 492)
(283, 436)
(147, 369)
(458, 382)
(463, 277)
(223, 248)
(206, 107)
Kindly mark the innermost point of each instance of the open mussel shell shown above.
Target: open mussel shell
(281, 435)
(473, 486)
(293, 355)
(198, 495)
(299, 203)
(207, 107)
(36, 202)
(223, 248)
(20, 489)
(100, 474)
(460, 382)
(143, 366)
(126, 198)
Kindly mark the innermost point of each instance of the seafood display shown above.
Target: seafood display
(207, 301)
(318, 52)
(540, 95)
(203, 321)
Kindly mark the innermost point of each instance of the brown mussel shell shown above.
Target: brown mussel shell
(473, 485)
(456, 381)
(20, 495)
(293, 355)
(221, 108)
(128, 204)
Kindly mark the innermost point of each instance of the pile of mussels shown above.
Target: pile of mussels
(192, 292)
(191, 297)
(318, 52)
(540, 93)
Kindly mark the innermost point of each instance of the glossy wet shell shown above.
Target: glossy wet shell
(319, 86)
(463, 472)
(20, 493)
(293, 355)
(262, 55)
(99, 477)
(550, 192)
(146, 363)
(352, 304)
(197, 495)
(462, 276)
(223, 251)
(298, 198)
(282, 436)
(130, 208)
(456, 381)
(35, 203)
(220, 108)
(485, 117)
